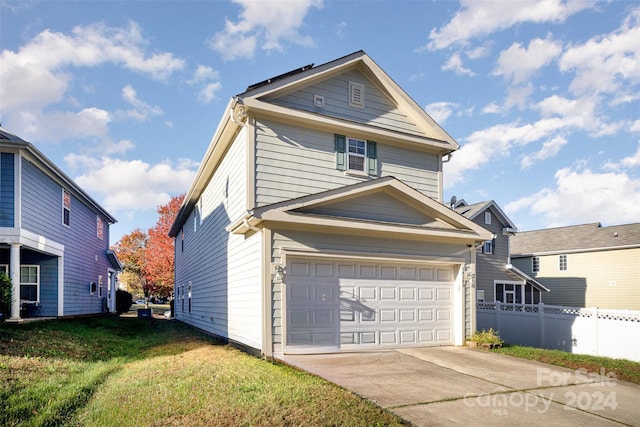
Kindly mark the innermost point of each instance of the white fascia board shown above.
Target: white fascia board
(309, 119)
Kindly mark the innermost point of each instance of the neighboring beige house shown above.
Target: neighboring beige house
(316, 224)
(584, 265)
(496, 278)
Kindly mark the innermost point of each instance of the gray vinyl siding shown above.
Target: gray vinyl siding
(604, 279)
(84, 253)
(7, 173)
(293, 162)
(492, 267)
(48, 279)
(325, 242)
(379, 109)
(375, 207)
(223, 269)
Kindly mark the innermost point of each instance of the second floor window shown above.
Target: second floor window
(535, 264)
(356, 155)
(100, 228)
(66, 208)
(563, 263)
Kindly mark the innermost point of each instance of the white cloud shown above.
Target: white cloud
(204, 74)
(584, 196)
(208, 93)
(477, 18)
(518, 63)
(340, 29)
(203, 77)
(549, 149)
(631, 161)
(607, 63)
(125, 185)
(61, 125)
(440, 111)
(39, 75)
(454, 63)
(142, 111)
(517, 96)
(266, 27)
(635, 126)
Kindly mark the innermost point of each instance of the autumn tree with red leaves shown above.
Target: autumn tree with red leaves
(159, 252)
(148, 256)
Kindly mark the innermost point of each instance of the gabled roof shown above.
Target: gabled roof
(577, 238)
(257, 98)
(472, 211)
(522, 275)
(300, 212)
(11, 141)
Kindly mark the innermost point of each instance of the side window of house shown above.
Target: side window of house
(189, 297)
(356, 155)
(29, 283)
(535, 264)
(489, 247)
(487, 218)
(99, 228)
(66, 207)
(562, 263)
(100, 286)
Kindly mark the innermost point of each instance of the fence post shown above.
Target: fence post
(596, 338)
(498, 310)
(541, 325)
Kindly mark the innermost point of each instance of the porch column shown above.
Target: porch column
(14, 269)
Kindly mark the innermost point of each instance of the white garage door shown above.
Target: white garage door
(342, 305)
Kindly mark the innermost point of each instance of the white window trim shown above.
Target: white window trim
(487, 244)
(487, 218)
(100, 286)
(65, 208)
(508, 282)
(37, 283)
(566, 262)
(362, 156)
(533, 264)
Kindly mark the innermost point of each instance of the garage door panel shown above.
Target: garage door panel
(407, 316)
(366, 305)
(407, 294)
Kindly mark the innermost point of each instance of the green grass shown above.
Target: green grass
(625, 370)
(114, 371)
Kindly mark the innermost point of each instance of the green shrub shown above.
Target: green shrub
(487, 337)
(124, 301)
(5, 296)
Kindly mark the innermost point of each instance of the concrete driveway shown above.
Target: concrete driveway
(458, 385)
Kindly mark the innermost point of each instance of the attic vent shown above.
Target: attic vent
(356, 94)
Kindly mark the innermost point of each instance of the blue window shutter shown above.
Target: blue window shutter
(372, 158)
(341, 152)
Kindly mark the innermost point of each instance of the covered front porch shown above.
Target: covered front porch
(35, 266)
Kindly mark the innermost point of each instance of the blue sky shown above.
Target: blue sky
(543, 96)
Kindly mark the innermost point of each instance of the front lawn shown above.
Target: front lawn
(625, 370)
(114, 371)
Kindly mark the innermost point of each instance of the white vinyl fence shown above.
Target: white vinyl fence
(594, 331)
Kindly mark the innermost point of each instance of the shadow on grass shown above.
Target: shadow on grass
(100, 338)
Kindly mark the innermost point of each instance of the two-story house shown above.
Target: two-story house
(497, 279)
(54, 238)
(584, 265)
(315, 222)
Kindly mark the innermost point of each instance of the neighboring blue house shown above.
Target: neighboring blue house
(54, 238)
